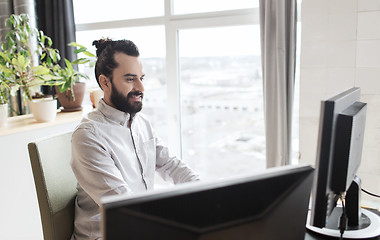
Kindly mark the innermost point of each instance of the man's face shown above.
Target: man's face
(127, 88)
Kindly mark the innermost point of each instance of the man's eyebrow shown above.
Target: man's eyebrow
(130, 75)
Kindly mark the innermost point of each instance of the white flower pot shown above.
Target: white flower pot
(43, 110)
(3, 114)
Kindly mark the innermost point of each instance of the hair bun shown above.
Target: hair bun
(101, 44)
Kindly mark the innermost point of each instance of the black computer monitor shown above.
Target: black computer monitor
(270, 205)
(340, 142)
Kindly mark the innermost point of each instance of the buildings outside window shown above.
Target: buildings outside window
(203, 84)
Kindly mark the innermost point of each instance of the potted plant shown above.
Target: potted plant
(71, 88)
(4, 90)
(26, 69)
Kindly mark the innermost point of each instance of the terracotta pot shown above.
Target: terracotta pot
(65, 98)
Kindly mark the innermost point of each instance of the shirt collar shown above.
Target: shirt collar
(112, 113)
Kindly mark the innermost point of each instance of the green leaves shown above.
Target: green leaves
(17, 68)
(80, 49)
(3, 55)
(69, 67)
(81, 61)
(69, 75)
(43, 39)
(20, 62)
(47, 54)
(36, 82)
(4, 90)
(41, 70)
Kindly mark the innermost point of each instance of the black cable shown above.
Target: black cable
(372, 194)
(342, 220)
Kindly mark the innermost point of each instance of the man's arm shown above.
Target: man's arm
(93, 166)
(170, 167)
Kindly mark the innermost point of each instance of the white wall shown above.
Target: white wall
(20, 215)
(340, 48)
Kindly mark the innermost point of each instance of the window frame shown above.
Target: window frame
(173, 24)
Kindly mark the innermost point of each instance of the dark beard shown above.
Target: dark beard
(122, 102)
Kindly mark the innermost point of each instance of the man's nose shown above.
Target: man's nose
(139, 86)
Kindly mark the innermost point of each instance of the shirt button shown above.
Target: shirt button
(122, 123)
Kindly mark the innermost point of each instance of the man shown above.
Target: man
(114, 148)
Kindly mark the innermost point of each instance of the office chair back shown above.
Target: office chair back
(55, 185)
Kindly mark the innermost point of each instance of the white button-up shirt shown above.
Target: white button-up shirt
(110, 158)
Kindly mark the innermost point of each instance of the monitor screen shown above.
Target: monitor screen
(269, 205)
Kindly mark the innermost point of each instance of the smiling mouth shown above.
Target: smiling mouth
(137, 97)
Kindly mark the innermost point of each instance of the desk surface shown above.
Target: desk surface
(314, 236)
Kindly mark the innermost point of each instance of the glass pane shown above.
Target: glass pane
(199, 6)
(88, 11)
(222, 100)
(152, 55)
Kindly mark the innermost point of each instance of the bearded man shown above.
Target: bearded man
(114, 148)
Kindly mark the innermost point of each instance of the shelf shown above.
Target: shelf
(27, 122)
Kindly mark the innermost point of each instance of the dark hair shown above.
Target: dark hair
(105, 50)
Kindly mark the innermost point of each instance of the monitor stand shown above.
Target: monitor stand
(369, 226)
(361, 223)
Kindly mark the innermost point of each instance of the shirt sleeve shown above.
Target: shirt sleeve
(172, 168)
(93, 166)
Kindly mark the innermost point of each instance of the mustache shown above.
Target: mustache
(136, 93)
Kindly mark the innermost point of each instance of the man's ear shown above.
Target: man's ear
(104, 82)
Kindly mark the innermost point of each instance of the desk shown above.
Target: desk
(314, 236)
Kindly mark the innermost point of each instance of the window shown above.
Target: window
(198, 6)
(203, 76)
(222, 100)
(114, 10)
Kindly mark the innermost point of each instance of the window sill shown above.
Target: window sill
(27, 122)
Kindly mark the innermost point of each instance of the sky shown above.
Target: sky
(221, 41)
